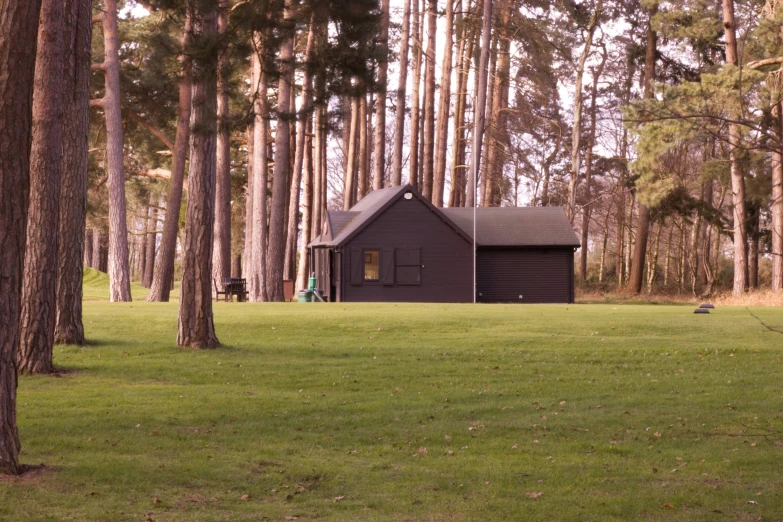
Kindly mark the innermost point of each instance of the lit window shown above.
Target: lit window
(371, 265)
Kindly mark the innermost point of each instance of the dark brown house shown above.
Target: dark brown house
(394, 245)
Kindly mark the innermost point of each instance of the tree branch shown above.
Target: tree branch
(758, 64)
(144, 123)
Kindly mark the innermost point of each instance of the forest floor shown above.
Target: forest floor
(404, 412)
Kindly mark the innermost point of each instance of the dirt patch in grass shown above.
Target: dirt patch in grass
(31, 475)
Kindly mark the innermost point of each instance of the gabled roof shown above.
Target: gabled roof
(346, 224)
(496, 226)
(516, 226)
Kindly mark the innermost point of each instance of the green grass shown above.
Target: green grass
(409, 413)
(96, 287)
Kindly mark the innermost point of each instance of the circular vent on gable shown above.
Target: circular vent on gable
(408, 195)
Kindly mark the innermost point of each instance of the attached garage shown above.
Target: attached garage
(524, 254)
(520, 275)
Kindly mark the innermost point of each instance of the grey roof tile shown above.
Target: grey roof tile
(516, 226)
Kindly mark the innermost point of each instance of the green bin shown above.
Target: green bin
(304, 296)
(312, 284)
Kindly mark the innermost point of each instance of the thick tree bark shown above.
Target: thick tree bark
(256, 270)
(276, 248)
(119, 269)
(39, 279)
(399, 114)
(379, 147)
(643, 223)
(418, 21)
(480, 107)
(149, 249)
(77, 39)
(739, 211)
(163, 278)
(303, 119)
(428, 161)
(19, 27)
(196, 325)
(221, 256)
(444, 106)
(576, 135)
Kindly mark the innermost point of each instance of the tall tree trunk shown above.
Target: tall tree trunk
(499, 137)
(39, 278)
(119, 269)
(87, 233)
(256, 270)
(319, 188)
(379, 146)
(586, 208)
(139, 245)
(302, 122)
(418, 30)
(196, 325)
(151, 241)
(643, 222)
(349, 183)
(465, 51)
(221, 255)
(19, 27)
(444, 106)
(489, 122)
(363, 156)
(77, 38)
(480, 106)
(777, 193)
(428, 162)
(576, 135)
(163, 277)
(247, 250)
(739, 211)
(303, 269)
(276, 247)
(399, 114)
(753, 252)
(98, 240)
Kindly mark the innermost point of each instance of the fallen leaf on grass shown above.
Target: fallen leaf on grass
(244, 497)
(752, 502)
(155, 500)
(668, 506)
(292, 518)
(779, 443)
(533, 494)
(338, 499)
(422, 450)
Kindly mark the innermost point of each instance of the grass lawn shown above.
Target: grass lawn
(409, 413)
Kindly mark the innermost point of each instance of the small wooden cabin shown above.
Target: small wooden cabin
(394, 245)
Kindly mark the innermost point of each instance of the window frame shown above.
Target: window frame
(366, 251)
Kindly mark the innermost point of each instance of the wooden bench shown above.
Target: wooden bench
(236, 287)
